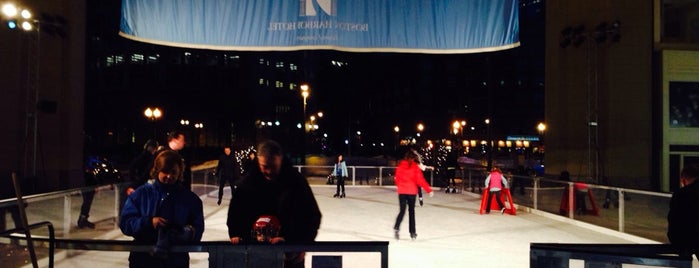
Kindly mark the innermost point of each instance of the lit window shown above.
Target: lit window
(110, 61)
(262, 81)
(137, 58)
(262, 61)
(280, 64)
(293, 67)
(279, 84)
(292, 86)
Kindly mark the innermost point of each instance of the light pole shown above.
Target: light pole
(305, 92)
(396, 130)
(541, 127)
(420, 128)
(153, 114)
(490, 144)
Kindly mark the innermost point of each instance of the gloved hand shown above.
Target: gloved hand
(182, 234)
(432, 194)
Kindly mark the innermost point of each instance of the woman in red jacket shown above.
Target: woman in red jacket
(408, 177)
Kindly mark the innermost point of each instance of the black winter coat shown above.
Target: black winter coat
(289, 197)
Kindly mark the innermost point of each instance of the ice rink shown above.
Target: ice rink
(451, 231)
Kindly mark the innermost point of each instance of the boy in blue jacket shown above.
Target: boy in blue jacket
(162, 213)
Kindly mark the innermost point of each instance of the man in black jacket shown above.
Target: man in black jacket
(682, 223)
(227, 170)
(274, 188)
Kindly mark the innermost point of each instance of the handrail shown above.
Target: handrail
(559, 255)
(54, 194)
(222, 253)
(50, 239)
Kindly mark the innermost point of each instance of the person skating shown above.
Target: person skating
(340, 173)
(495, 182)
(408, 178)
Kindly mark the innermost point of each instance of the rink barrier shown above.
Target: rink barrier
(221, 253)
(546, 255)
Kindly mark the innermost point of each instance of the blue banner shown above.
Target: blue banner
(411, 26)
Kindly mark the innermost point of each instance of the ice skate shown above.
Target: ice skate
(84, 223)
(395, 234)
(336, 195)
(342, 195)
(421, 202)
(413, 236)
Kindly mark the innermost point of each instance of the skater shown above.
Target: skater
(422, 167)
(227, 170)
(495, 182)
(452, 165)
(408, 178)
(340, 174)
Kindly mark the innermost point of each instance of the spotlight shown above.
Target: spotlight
(12, 24)
(27, 26)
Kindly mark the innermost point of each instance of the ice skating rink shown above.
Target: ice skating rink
(451, 231)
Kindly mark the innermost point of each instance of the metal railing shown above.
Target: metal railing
(548, 255)
(221, 253)
(636, 212)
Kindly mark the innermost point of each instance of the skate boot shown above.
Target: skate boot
(447, 190)
(336, 195)
(84, 223)
(395, 234)
(342, 195)
(421, 203)
(453, 190)
(413, 236)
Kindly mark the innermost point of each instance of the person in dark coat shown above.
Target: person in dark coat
(227, 170)
(176, 142)
(682, 222)
(163, 213)
(140, 166)
(274, 188)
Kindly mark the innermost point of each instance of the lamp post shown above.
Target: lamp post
(396, 130)
(489, 146)
(541, 127)
(153, 114)
(305, 92)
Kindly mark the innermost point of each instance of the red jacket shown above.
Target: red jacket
(409, 177)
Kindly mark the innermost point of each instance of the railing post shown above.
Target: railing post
(380, 178)
(354, 177)
(470, 181)
(67, 204)
(535, 193)
(117, 201)
(571, 201)
(621, 209)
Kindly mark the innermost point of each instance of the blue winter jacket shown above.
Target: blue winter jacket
(178, 205)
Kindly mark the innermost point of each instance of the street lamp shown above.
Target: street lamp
(490, 144)
(153, 115)
(304, 93)
(396, 130)
(541, 127)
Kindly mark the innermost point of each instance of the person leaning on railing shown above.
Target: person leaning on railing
(163, 213)
(682, 221)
